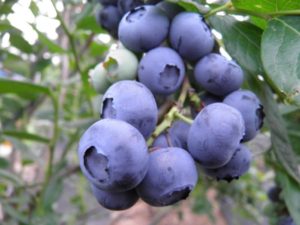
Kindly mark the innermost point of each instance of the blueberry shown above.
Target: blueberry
(175, 136)
(113, 155)
(171, 176)
(121, 64)
(127, 5)
(238, 165)
(190, 36)
(218, 75)
(274, 194)
(161, 70)
(132, 102)
(99, 79)
(143, 28)
(215, 135)
(109, 18)
(251, 109)
(170, 9)
(115, 200)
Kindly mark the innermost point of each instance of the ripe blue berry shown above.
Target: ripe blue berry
(132, 102)
(109, 18)
(238, 165)
(171, 176)
(143, 28)
(248, 104)
(161, 70)
(218, 75)
(215, 135)
(115, 200)
(113, 155)
(190, 36)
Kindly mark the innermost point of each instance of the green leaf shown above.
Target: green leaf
(6, 7)
(241, 40)
(281, 144)
(5, 25)
(4, 163)
(261, 23)
(41, 64)
(15, 63)
(23, 89)
(9, 176)
(52, 193)
(279, 135)
(16, 214)
(281, 53)
(34, 8)
(97, 49)
(291, 195)
(89, 23)
(51, 45)
(20, 43)
(25, 136)
(265, 6)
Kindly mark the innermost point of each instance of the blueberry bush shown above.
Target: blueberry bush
(118, 103)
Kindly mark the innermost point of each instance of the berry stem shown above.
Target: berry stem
(173, 113)
(166, 123)
(178, 115)
(184, 92)
(195, 101)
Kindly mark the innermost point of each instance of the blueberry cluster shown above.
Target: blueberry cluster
(113, 152)
(112, 11)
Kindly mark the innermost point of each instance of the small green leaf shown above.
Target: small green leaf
(23, 89)
(265, 6)
(34, 8)
(9, 176)
(281, 53)
(261, 23)
(5, 26)
(89, 23)
(4, 163)
(25, 136)
(291, 195)
(97, 49)
(41, 64)
(20, 43)
(242, 41)
(15, 63)
(16, 214)
(52, 193)
(6, 7)
(51, 45)
(28, 90)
